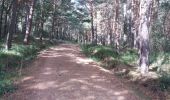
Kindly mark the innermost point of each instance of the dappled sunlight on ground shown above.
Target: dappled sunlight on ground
(63, 73)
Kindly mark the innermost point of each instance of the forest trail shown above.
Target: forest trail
(64, 73)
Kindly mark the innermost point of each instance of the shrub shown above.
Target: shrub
(165, 82)
(99, 52)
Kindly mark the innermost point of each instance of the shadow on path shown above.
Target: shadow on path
(64, 73)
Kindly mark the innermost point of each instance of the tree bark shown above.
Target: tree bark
(144, 36)
(42, 30)
(1, 17)
(117, 25)
(29, 15)
(92, 23)
(128, 23)
(135, 20)
(53, 20)
(6, 23)
(12, 25)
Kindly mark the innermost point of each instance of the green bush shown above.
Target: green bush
(129, 56)
(11, 60)
(165, 82)
(111, 59)
(99, 52)
(6, 82)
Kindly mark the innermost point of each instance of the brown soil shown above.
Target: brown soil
(64, 73)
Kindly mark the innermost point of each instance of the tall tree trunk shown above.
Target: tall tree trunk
(1, 17)
(25, 21)
(6, 23)
(42, 28)
(53, 20)
(117, 24)
(128, 23)
(29, 15)
(53, 29)
(12, 25)
(92, 23)
(5, 32)
(135, 20)
(110, 32)
(144, 36)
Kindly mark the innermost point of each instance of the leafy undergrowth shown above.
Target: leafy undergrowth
(123, 65)
(12, 61)
(109, 57)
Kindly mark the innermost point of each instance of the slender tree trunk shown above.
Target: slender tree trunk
(1, 17)
(5, 32)
(144, 36)
(53, 20)
(6, 23)
(135, 23)
(42, 28)
(12, 25)
(57, 33)
(53, 29)
(128, 23)
(110, 31)
(25, 22)
(116, 25)
(29, 20)
(92, 23)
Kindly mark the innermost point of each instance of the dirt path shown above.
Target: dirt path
(63, 73)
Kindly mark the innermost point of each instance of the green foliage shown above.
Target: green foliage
(160, 62)
(130, 56)
(6, 82)
(165, 82)
(99, 52)
(13, 57)
(165, 5)
(11, 60)
(109, 57)
(104, 52)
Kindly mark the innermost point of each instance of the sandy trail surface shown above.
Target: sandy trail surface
(64, 73)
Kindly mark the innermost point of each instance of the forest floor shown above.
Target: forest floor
(65, 73)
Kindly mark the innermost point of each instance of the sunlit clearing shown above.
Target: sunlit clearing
(47, 54)
(50, 56)
(84, 87)
(89, 84)
(66, 87)
(62, 49)
(95, 76)
(83, 61)
(121, 92)
(44, 85)
(64, 72)
(47, 73)
(48, 69)
(90, 97)
(27, 78)
(121, 98)
(105, 70)
(70, 55)
(134, 73)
